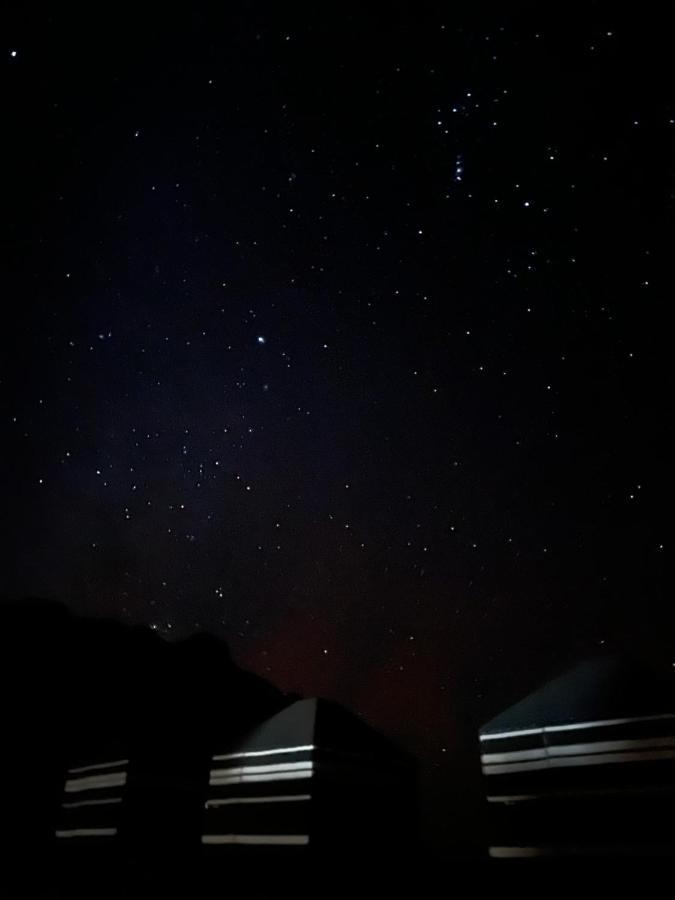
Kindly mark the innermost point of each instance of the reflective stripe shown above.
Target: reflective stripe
(597, 759)
(575, 726)
(286, 798)
(255, 839)
(577, 749)
(517, 852)
(242, 753)
(587, 850)
(514, 756)
(577, 793)
(243, 779)
(260, 770)
(95, 782)
(107, 765)
(86, 832)
(91, 803)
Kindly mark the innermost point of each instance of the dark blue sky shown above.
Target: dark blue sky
(442, 471)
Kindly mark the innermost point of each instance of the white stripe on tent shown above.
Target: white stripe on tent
(522, 732)
(260, 770)
(106, 765)
(577, 792)
(295, 839)
(94, 782)
(244, 779)
(517, 852)
(576, 726)
(592, 850)
(281, 798)
(562, 762)
(91, 803)
(514, 756)
(241, 753)
(87, 832)
(577, 749)
(564, 795)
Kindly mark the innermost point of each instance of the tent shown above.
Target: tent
(584, 766)
(315, 782)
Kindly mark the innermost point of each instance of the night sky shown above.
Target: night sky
(343, 334)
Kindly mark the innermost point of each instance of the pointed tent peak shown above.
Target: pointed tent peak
(341, 729)
(597, 689)
(288, 729)
(315, 723)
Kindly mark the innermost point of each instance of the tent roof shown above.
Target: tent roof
(320, 723)
(594, 690)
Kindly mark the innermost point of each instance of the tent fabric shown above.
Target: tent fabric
(595, 689)
(302, 778)
(584, 765)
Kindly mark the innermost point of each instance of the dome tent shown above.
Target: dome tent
(314, 783)
(584, 766)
